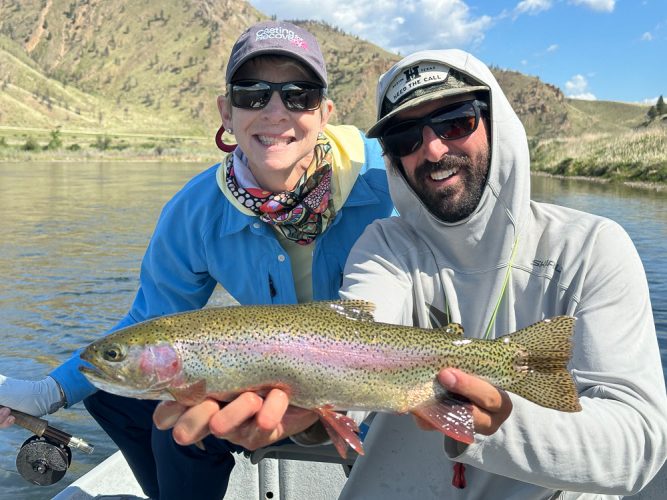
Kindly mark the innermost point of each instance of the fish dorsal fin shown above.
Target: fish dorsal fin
(357, 310)
(451, 330)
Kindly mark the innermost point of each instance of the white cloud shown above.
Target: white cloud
(577, 88)
(600, 5)
(532, 6)
(397, 26)
(647, 37)
(649, 101)
(552, 48)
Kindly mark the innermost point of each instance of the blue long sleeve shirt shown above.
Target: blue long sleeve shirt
(201, 239)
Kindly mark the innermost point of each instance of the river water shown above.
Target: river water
(72, 239)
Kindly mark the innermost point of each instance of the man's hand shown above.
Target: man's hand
(490, 406)
(249, 420)
(33, 397)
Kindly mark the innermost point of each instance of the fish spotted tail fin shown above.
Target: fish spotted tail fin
(547, 348)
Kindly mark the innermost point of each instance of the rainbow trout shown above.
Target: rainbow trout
(330, 356)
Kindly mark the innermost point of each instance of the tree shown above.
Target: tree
(30, 144)
(55, 142)
(660, 106)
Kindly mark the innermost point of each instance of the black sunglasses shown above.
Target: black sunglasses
(449, 123)
(256, 94)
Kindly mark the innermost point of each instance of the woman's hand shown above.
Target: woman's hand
(6, 419)
(34, 397)
(249, 420)
(490, 406)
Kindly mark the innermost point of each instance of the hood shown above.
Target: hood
(505, 202)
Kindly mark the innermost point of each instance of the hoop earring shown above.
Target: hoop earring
(227, 148)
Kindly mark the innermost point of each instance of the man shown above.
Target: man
(471, 247)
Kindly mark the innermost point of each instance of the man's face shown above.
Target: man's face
(448, 175)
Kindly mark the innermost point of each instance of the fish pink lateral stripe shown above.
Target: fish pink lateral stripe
(322, 350)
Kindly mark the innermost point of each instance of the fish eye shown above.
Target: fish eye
(114, 353)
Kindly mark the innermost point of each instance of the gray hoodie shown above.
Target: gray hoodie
(415, 267)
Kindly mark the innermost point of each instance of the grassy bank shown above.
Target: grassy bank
(634, 156)
(23, 144)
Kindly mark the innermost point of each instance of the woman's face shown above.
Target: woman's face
(277, 142)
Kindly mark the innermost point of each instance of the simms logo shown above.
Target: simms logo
(285, 33)
(547, 264)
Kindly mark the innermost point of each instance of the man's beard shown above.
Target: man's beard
(443, 203)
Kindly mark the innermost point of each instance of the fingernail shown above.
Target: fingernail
(447, 378)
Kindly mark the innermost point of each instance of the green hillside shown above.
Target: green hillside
(606, 116)
(157, 65)
(136, 78)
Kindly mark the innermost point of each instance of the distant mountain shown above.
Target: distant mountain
(138, 65)
(155, 68)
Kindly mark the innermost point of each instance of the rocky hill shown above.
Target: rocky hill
(132, 65)
(138, 68)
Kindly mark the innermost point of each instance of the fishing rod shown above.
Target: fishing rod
(45, 457)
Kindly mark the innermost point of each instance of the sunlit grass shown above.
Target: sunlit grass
(635, 155)
(33, 143)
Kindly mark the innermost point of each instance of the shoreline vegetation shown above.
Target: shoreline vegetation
(636, 158)
(58, 145)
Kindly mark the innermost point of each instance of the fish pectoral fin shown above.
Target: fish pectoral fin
(450, 416)
(342, 430)
(189, 395)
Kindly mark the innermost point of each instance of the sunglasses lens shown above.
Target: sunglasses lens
(297, 96)
(448, 123)
(456, 123)
(250, 95)
(403, 138)
(301, 96)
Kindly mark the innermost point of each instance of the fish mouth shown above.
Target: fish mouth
(91, 370)
(117, 384)
(97, 374)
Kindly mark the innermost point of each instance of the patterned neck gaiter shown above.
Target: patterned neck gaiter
(302, 213)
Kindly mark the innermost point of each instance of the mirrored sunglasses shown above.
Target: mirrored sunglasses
(448, 123)
(256, 94)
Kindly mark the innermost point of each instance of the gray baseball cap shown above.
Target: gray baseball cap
(278, 38)
(415, 80)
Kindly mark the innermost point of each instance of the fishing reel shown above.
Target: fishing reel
(43, 462)
(45, 457)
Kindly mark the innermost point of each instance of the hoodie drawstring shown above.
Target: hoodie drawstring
(459, 479)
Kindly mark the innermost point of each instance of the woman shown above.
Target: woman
(272, 223)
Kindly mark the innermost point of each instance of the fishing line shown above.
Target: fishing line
(508, 273)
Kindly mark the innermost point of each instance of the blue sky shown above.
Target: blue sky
(592, 49)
